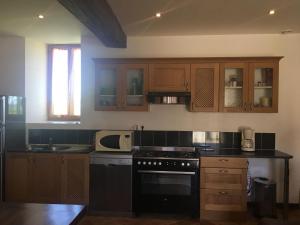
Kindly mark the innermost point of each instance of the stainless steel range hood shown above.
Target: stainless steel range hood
(169, 97)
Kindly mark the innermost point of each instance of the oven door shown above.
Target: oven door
(166, 191)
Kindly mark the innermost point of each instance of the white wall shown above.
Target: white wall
(12, 64)
(35, 81)
(285, 124)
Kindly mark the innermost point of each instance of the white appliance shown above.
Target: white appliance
(114, 141)
(248, 139)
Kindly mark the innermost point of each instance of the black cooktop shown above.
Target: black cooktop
(165, 152)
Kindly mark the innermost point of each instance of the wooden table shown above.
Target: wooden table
(40, 214)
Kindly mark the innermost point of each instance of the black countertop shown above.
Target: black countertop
(78, 149)
(242, 154)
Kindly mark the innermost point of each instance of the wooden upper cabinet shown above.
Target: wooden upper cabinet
(165, 77)
(75, 178)
(107, 87)
(46, 178)
(263, 87)
(135, 87)
(204, 87)
(18, 177)
(121, 87)
(233, 87)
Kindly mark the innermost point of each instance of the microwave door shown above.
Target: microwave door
(110, 142)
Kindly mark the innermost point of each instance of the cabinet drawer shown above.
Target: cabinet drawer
(223, 178)
(224, 162)
(223, 200)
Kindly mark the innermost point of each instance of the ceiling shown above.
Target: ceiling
(179, 17)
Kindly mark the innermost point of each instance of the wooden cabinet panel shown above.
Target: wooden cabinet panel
(223, 200)
(75, 178)
(224, 162)
(223, 178)
(165, 77)
(46, 178)
(204, 87)
(18, 177)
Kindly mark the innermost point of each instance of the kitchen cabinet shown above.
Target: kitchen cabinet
(121, 87)
(75, 178)
(169, 77)
(18, 177)
(249, 87)
(204, 87)
(223, 187)
(47, 178)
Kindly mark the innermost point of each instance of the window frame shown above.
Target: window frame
(50, 116)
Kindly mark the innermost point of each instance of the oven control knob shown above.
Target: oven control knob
(188, 164)
(144, 163)
(139, 162)
(149, 163)
(154, 163)
(159, 163)
(182, 164)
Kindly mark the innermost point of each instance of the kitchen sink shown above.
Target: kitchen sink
(41, 148)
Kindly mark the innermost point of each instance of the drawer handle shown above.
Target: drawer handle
(223, 193)
(223, 171)
(223, 160)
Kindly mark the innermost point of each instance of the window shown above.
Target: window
(64, 82)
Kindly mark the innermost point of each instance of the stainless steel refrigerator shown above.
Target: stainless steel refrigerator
(12, 131)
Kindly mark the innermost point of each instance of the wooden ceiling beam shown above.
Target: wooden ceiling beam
(99, 18)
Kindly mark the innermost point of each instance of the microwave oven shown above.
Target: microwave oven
(114, 141)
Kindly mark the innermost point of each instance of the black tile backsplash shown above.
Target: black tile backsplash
(172, 138)
(147, 138)
(160, 138)
(268, 141)
(185, 138)
(263, 141)
(226, 139)
(258, 137)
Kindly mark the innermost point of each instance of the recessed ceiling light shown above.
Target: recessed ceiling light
(158, 15)
(272, 12)
(40, 16)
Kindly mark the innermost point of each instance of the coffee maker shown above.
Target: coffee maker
(248, 139)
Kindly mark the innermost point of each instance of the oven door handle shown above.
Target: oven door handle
(166, 172)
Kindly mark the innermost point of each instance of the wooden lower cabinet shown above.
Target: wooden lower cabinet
(18, 178)
(75, 178)
(223, 188)
(47, 178)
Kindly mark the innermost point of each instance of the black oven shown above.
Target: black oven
(166, 186)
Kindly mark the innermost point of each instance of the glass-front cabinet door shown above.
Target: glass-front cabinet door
(233, 87)
(263, 85)
(107, 87)
(135, 83)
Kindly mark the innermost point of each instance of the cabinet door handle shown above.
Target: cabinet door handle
(223, 160)
(187, 85)
(62, 160)
(223, 193)
(245, 106)
(223, 171)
